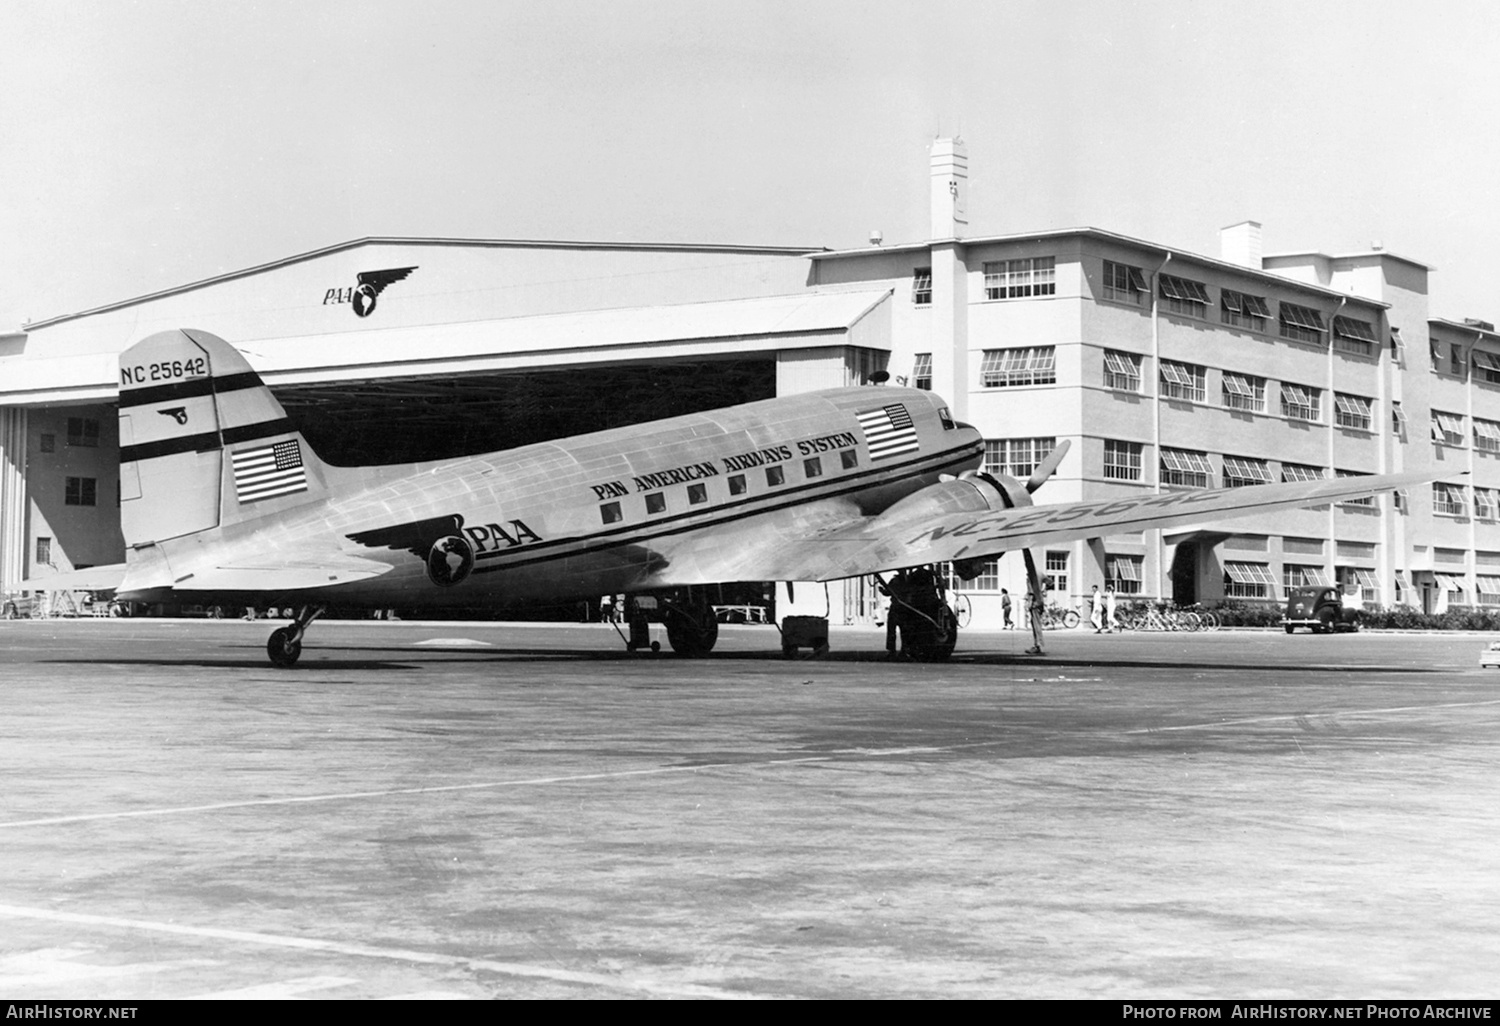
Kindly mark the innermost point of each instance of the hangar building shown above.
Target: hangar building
(1163, 369)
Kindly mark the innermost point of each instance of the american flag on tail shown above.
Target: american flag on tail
(268, 471)
(889, 431)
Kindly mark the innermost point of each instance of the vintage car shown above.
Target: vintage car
(1322, 610)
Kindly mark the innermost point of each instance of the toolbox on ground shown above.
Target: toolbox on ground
(804, 632)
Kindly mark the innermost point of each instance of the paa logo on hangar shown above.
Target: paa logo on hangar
(367, 287)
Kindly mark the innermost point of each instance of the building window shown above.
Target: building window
(1486, 435)
(1447, 428)
(48, 442)
(1364, 580)
(1487, 367)
(988, 578)
(1248, 580)
(921, 286)
(43, 551)
(1489, 589)
(1017, 457)
(697, 494)
(1354, 336)
(1398, 420)
(1364, 501)
(775, 476)
(1448, 499)
(1240, 471)
(1006, 368)
(1123, 574)
(1302, 323)
(1019, 279)
(1299, 402)
(1122, 460)
(1291, 472)
(1303, 575)
(1242, 310)
(1456, 359)
(610, 513)
(1454, 586)
(1055, 574)
(1122, 371)
(1244, 392)
(83, 431)
(812, 467)
(921, 372)
(1183, 296)
(1185, 469)
(1351, 411)
(1486, 503)
(850, 459)
(737, 484)
(1183, 381)
(79, 491)
(1123, 283)
(656, 502)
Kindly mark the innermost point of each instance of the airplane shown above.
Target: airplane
(222, 501)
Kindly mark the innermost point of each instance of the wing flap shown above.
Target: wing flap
(290, 575)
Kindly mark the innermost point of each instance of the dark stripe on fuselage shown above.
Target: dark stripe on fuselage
(205, 441)
(643, 533)
(189, 389)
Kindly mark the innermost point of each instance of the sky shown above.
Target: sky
(152, 143)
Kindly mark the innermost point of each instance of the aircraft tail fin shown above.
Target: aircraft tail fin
(203, 442)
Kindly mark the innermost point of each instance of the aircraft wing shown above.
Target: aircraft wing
(864, 545)
(273, 574)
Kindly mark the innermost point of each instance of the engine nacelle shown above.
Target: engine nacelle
(971, 492)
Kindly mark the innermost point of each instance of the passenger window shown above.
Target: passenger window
(775, 476)
(610, 511)
(850, 458)
(697, 494)
(737, 484)
(655, 502)
(812, 467)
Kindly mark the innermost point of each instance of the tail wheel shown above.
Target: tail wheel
(692, 630)
(284, 647)
(930, 642)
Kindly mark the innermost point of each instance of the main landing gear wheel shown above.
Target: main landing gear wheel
(284, 647)
(692, 630)
(933, 642)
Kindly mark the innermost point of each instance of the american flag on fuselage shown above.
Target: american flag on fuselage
(268, 471)
(888, 430)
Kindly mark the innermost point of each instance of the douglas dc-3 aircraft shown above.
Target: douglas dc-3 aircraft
(222, 501)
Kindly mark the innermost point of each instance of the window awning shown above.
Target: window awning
(1348, 327)
(1302, 317)
(1186, 462)
(1352, 405)
(1296, 395)
(1316, 575)
(1448, 423)
(1179, 374)
(1488, 585)
(1450, 583)
(1237, 385)
(1360, 576)
(1246, 469)
(1486, 429)
(1137, 279)
(1250, 573)
(1183, 289)
(1122, 364)
(1299, 472)
(1488, 361)
(1123, 568)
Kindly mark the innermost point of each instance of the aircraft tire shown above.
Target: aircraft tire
(283, 649)
(934, 644)
(693, 633)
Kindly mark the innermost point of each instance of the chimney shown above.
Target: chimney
(1240, 244)
(950, 188)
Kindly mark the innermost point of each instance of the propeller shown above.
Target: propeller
(1047, 467)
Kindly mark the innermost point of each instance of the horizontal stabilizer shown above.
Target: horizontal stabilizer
(295, 575)
(94, 578)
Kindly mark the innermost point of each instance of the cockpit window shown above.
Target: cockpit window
(946, 418)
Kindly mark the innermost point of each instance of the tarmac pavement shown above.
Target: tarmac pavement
(473, 810)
